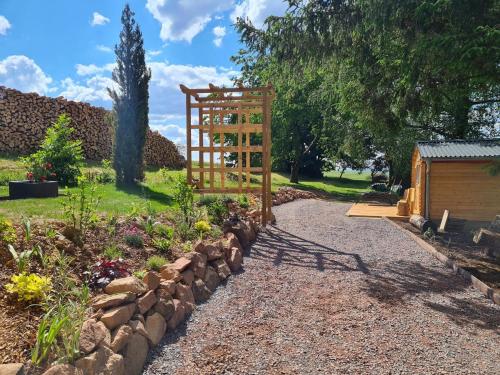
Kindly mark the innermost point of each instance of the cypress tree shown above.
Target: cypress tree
(130, 101)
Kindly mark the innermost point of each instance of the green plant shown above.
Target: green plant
(7, 231)
(149, 225)
(184, 231)
(29, 288)
(164, 231)
(106, 174)
(46, 337)
(140, 274)
(112, 252)
(22, 259)
(183, 195)
(44, 258)
(156, 262)
(243, 201)
(216, 232)
(218, 211)
(80, 209)
(187, 247)
(26, 224)
(162, 244)
(202, 227)
(59, 158)
(50, 233)
(134, 238)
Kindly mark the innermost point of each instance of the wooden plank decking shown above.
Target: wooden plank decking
(374, 210)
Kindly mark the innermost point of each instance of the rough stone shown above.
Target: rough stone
(126, 284)
(169, 273)
(232, 241)
(156, 327)
(185, 295)
(12, 369)
(105, 301)
(181, 264)
(221, 268)
(200, 291)
(146, 301)
(102, 361)
(152, 280)
(168, 285)
(187, 277)
(240, 229)
(165, 305)
(55, 370)
(198, 263)
(120, 337)
(212, 251)
(178, 316)
(235, 259)
(135, 354)
(138, 327)
(211, 279)
(118, 315)
(92, 334)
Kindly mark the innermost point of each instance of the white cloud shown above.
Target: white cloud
(99, 20)
(93, 90)
(91, 69)
(258, 10)
(220, 33)
(154, 53)
(102, 48)
(183, 20)
(22, 73)
(4, 25)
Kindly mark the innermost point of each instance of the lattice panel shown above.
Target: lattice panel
(227, 120)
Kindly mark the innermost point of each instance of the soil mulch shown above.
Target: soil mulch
(322, 293)
(469, 256)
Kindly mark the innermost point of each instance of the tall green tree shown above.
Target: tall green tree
(130, 101)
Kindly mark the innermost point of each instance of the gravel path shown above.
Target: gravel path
(322, 293)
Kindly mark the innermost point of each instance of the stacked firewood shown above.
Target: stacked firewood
(161, 152)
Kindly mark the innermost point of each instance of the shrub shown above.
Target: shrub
(162, 244)
(140, 274)
(106, 175)
(29, 288)
(80, 209)
(218, 211)
(133, 238)
(183, 194)
(202, 227)
(112, 252)
(156, 262)
(7, 231)
(164, 231)
(243, 201)
(46, 337)
(59, 156)
(105, 271)
(22, 259)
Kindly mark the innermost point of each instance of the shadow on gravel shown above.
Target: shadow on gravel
(404, 278)
(286, 248)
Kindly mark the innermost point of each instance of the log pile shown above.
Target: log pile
(24, 119)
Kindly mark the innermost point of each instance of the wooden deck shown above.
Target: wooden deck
(375, 210)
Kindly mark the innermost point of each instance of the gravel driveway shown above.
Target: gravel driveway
(322, 293)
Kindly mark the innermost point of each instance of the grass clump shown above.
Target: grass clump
(155, 262)
(112, 252)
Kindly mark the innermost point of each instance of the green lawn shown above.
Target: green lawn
(158, 189)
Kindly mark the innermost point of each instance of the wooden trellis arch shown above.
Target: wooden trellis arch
(244, 114)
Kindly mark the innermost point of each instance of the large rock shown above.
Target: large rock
(55, 370)
(232, 241)
(200, 291)
(118, 315)
(147, 301)
(211, 279)
(168, 285)
(105, 301)
(120, 337)
(240, 229)
(102, 361)
(152, 280)
(187, 277)
(185, 295)
(212, 251)
(198, 263)
(179, 314)
(181, 264)
(12, 369)
(165, 304)
(235, 259)
(92, 334)
(126, 284)
(138, 326)
(221, 268)
(135, 354)
(156, 327)
(170, 273)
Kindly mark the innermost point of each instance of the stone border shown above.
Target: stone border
(487, 291)
(132, 315)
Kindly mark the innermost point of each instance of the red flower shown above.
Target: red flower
(42, 179)
(29, 176)
(48, 166)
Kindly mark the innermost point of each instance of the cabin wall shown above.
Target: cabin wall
(464, 188)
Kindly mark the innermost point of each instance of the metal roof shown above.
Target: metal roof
(459, 149)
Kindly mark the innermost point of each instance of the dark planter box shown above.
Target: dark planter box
(27, 189)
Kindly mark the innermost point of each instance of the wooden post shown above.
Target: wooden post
(264, 162)
(200, 143)
(188, 133)
(211, 140)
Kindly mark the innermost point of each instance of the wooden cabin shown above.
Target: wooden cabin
(453, 176)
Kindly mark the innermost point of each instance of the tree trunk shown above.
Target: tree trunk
(294, 173)
(342, 173)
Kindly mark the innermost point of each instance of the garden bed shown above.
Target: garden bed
(467, 255)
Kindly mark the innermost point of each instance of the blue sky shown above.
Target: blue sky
(65, 48)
